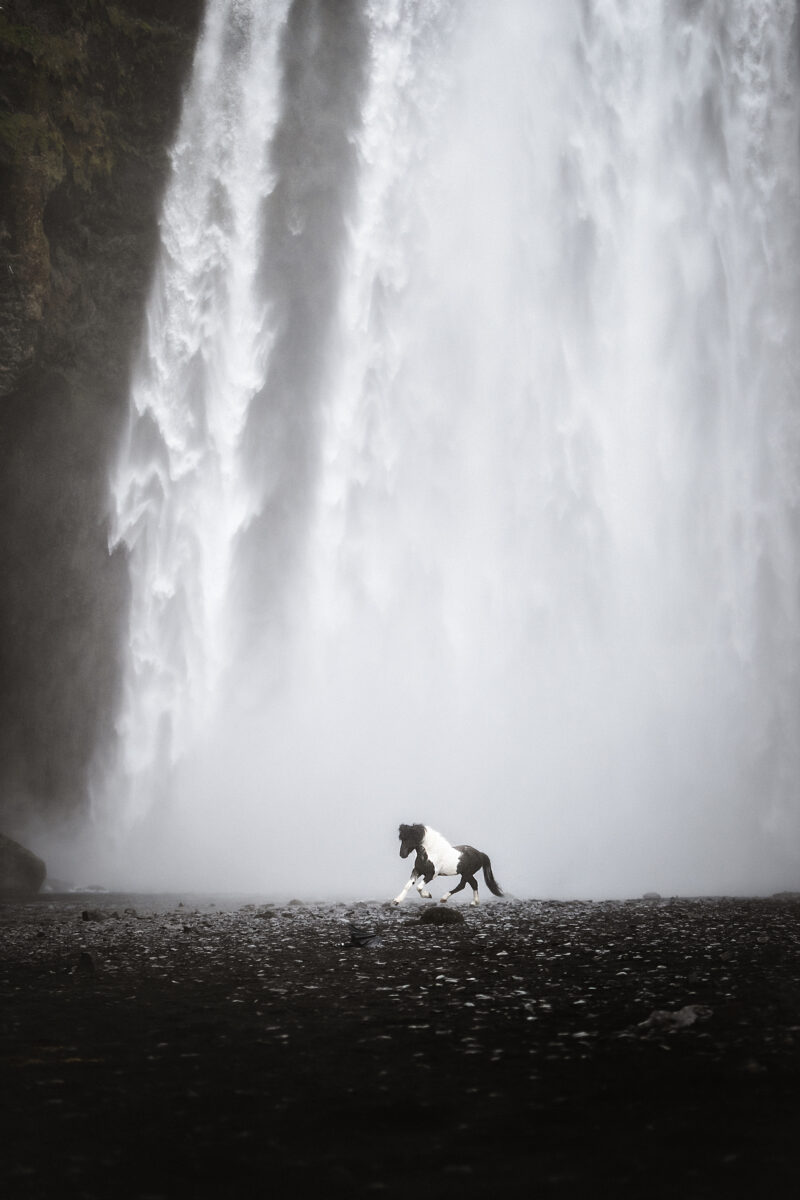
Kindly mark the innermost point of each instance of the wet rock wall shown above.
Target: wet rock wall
(89, 96)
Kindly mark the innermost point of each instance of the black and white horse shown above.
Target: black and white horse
(435, 856)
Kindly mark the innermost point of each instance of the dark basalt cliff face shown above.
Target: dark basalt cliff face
(89, 97)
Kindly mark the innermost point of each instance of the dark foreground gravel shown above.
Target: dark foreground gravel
(161, 1047)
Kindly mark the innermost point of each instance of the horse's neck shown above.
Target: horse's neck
(434, 845)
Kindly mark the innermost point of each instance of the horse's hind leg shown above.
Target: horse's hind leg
(465, 879)
(459, 887)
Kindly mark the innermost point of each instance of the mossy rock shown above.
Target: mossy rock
(441, 916)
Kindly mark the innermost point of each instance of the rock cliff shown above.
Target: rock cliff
(89, 95)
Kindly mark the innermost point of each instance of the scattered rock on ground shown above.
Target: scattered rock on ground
(98, 914)
(665, 1019)
(363, 935)
(508, 1044)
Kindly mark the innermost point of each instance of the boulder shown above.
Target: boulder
(21, 871)
(441, 916)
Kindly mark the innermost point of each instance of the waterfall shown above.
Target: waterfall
(462, 477)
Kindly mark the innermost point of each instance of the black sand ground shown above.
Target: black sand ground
(159, 1049)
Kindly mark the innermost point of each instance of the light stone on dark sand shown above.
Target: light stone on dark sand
(199, 1047)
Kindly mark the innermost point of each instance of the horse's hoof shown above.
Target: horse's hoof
(443, 899)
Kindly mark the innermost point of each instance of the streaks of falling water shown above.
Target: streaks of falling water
(462, 475)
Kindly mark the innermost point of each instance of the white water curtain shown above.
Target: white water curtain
(462, 481)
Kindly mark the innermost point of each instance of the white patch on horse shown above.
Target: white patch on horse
(445, 858)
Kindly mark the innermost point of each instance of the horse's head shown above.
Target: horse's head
(410, 838)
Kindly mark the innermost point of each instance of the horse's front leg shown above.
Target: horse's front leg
(425, 871)
(421, 888)
(402, 895)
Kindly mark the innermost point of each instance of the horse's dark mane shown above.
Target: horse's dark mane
(407, 832)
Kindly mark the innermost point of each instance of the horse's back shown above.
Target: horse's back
(470, 860)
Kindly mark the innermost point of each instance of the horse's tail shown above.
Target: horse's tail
(491, 882)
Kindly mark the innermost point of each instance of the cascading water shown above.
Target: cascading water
(462, 482)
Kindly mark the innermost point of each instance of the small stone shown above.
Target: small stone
(93, 914)
(98, 914)
(682, 1018)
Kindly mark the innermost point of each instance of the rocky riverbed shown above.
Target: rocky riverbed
(183, 1046)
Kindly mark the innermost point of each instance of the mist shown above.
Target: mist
(460, 484)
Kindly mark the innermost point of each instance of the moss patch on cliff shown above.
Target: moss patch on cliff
(85, 87)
